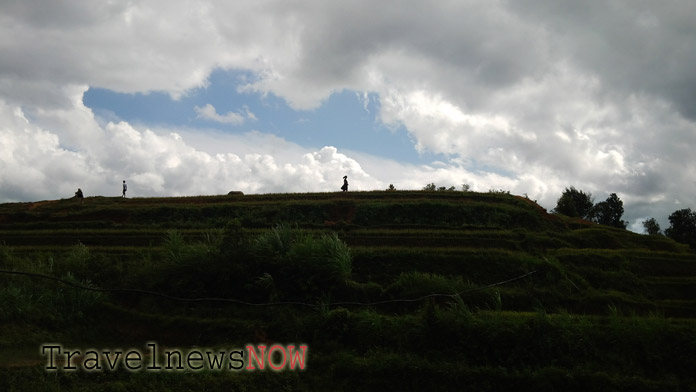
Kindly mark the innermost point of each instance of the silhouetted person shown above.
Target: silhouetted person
(79, 195)
(345, 184)
(125, 188)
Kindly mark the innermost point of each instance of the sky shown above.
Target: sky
(206, 97)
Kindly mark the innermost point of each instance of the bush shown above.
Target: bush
(34, 299)
(300, 262)
(274, 243)
(327, 256)
(415, 284)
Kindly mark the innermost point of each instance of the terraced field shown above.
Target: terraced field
(405, 290)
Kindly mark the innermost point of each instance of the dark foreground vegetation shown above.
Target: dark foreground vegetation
(389, 290)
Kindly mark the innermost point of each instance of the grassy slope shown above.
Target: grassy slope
(604, 308)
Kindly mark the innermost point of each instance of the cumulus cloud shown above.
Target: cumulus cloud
(209, 112)
(36, 165)
(531, 95)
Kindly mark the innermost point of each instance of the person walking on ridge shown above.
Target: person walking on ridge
(79, 195)
(125, 188)
(345, 184)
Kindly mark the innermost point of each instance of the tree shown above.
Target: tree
(465, 187)
(391, 188)
(609, 212)
(574, 203)
(651, 226)
(682, 227)
(433, 187)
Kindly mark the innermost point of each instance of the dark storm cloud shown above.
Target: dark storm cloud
(639, 47)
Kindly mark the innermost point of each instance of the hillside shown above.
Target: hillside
(406, 290)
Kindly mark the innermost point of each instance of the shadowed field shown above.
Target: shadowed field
(406, 290)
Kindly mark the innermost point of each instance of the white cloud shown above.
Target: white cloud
(36, 165)
(208, 112)
(529, 95)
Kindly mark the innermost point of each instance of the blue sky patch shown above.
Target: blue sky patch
(346, 120)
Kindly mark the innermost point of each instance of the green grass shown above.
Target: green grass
(604, 309)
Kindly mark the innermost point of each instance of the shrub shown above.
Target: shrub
(327, 255)
(274, 243)
(299, 261)
(76, 261)
(175, 247)
(416, 284)
(35, 300)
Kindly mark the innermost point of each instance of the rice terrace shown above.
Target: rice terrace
(401, 290)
